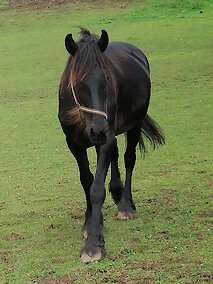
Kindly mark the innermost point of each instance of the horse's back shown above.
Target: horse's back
(120, 49)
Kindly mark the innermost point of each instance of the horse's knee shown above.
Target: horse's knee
(86, 179)
(97, 194)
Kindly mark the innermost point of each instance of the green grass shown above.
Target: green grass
(41, 200)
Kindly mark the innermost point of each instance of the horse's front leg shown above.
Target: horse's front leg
(94, 248)
(86, 178)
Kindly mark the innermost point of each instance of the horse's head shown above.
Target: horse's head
(89, 84)
(91, 101)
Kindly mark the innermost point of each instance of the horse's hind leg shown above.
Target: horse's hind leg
(126, 205)
(115, 185)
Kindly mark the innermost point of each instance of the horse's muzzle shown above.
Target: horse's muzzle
(98, 135)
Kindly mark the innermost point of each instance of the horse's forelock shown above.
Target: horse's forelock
(87, 57)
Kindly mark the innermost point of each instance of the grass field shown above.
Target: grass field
(41, 200)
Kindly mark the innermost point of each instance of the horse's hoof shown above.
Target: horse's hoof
(91, 257)
(125, 216)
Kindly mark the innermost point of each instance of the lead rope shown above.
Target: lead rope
(86, 109)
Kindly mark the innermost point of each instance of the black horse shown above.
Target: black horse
(105, 91)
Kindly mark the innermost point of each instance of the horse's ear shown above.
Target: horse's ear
(70, 45)
(103, 41)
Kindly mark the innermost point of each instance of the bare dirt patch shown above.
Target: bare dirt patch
(35, 4)
(58, 280)
(169, 200)
(204, 214)
(74, 216)
(206, 277)
(211, 184)
(146, 265)
(4, 256)
(41, 4)
(14, 237)
(139, 267)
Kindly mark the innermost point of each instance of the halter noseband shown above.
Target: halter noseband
(86, 109)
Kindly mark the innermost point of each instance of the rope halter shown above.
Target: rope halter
(86, 109)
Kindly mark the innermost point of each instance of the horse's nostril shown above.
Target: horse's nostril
(102, 134)
(92, 131)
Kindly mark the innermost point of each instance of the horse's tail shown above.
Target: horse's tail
(152, 132)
